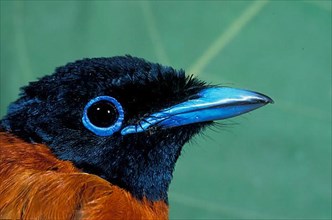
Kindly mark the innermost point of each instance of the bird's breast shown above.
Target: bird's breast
(35, 184)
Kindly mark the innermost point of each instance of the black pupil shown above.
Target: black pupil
(102, 114)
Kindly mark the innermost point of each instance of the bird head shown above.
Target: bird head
(122, 118)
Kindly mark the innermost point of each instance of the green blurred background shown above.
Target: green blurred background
(274, 163)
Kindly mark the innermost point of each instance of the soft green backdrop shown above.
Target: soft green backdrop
(274, 163)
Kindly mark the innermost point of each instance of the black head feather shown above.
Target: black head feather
(50, 111)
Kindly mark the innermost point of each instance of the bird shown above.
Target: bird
(99, 138)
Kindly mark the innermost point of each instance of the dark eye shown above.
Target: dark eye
(103, 115)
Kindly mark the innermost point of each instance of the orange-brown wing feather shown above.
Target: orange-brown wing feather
(34, 184)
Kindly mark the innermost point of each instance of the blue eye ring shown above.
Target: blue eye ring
(103, 131)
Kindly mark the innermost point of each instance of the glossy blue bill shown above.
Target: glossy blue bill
(211, 104)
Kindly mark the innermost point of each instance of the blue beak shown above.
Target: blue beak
(211, 104)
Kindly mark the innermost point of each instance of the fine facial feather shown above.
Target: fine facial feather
(35, 184)
(49, 111)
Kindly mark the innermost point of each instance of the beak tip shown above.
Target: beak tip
(264, 98)
(268, 100)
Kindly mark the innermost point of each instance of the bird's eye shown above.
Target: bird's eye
(103, 115)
